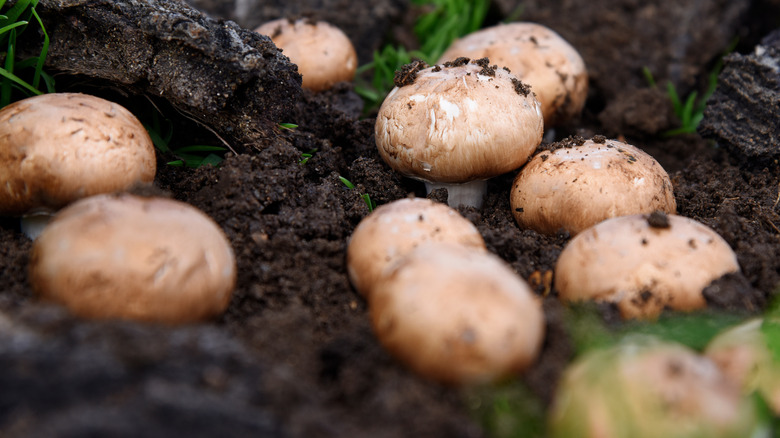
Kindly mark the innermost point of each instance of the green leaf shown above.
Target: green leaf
(346, 182)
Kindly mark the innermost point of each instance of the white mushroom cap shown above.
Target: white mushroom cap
(645, 388)
(577, 187)
(643, 264)
(126, 257)
(323, 53)
(56, 148)
(459, 123)
(394, 229)
(457, 315)
(539, 57)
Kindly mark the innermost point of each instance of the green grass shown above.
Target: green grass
(367, 199)
(192, 156)
(21, 78)
(442, 23)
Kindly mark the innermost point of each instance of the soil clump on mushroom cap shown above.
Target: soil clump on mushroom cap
(294, 354)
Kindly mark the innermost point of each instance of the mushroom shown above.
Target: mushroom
(56, 148)
(394, 229)
(323, 53)
(456, 125)
(456, 315)
(580, 183)
(744, 355)
(646, 388)
(644, 264)
(539, 57)
(127, 257)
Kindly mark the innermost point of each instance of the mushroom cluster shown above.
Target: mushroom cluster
(56, 148)
(439, 302)
(323, 53)
(457, 124)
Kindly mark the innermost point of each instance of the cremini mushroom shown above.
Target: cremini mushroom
(580, 183)
(456, 125)
(646, 388)
(127, 257)
(456, 315)
(539, 57)
(323, 53)
(644, 264)
(394, 229)
(56, 148)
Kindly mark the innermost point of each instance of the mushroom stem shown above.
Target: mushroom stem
(469, 194)
(32, 224)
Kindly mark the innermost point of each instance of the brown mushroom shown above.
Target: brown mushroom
(644, 264)
(456, 125)
(127, 257)
(56, 148)
(539, 57)
(394, 229)
(457, 315)
(323, 53)
(580, 183)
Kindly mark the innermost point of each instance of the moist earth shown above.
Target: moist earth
(294, 355)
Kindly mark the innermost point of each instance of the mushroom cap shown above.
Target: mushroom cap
(56, 148)
(394, 229)
(127, 257)
(537, 56)
(459, 123)
(577, 187)
(457, 315)
(323, 53)
(643, 267)
(647, 388)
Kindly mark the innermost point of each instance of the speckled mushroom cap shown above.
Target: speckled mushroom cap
(323, 53)
(643, 264)
(56, 148)
(539, 57)
(458, 123)
(394, 229)
(580, 184)
(126, 257)
(457, 315)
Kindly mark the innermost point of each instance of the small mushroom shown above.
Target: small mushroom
(644, 264)
(646, 388)
(323, 53)
(539, 57)
(456, 125)
(580, 183)
(394, 229)
(127, 257)
(456, 315)
(56, 148)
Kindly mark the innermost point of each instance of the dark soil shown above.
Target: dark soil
(294, 354)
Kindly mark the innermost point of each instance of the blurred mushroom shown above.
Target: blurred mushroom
(323, 53)
(580, 183)
(394, 229)
(457, 315)
(56, 148)
(645, 388)
(126, 257)
(456, 125)
(644, 264)
(539, 57)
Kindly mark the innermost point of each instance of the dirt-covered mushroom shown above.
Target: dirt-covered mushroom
(539, 57)
(323, 53)
(645, 388)
(644, 264)
(744, 355)
(59, 147)
(127, 257)
(394, 229)
(457, 315)
(579, 183)
(456, 125)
